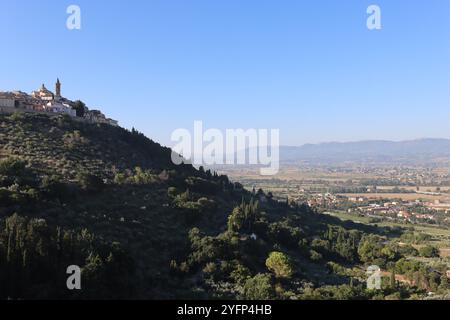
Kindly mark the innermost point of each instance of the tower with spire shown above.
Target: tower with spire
(57, 89)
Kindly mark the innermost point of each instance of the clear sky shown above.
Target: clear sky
(308, 67)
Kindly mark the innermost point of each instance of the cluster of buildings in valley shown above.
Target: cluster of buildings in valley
(407, 210)
(321, 199)
(404, 210)
(43, 100)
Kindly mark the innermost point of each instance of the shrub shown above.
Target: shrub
(259, 288)
(15, 171)
(172, 192)
(315, 256)
(279, 264)
(429, 252)
(240, 274)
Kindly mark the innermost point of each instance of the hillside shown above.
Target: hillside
(111, 201)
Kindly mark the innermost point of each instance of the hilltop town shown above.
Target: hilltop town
(45, 101)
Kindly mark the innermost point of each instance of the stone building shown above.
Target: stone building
(43, 94)
(7, 100)
(58, 107)
(43, 100)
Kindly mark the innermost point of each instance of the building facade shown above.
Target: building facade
(43, 100)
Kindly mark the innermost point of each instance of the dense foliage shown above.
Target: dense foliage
(111, 202)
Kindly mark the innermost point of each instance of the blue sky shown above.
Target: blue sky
(310, 68)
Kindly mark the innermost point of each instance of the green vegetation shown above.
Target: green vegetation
(80, 107)
(280, 265)
(429, 252)
(259, 288)
(111, 201)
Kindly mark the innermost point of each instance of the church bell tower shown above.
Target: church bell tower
(58, 89)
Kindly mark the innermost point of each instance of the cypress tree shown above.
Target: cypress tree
(444, 281)
(393, 281)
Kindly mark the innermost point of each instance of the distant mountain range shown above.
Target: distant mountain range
(421, 150)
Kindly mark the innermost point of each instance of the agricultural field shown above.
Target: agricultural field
(443, 189)
(404, 196)
(440, 236)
